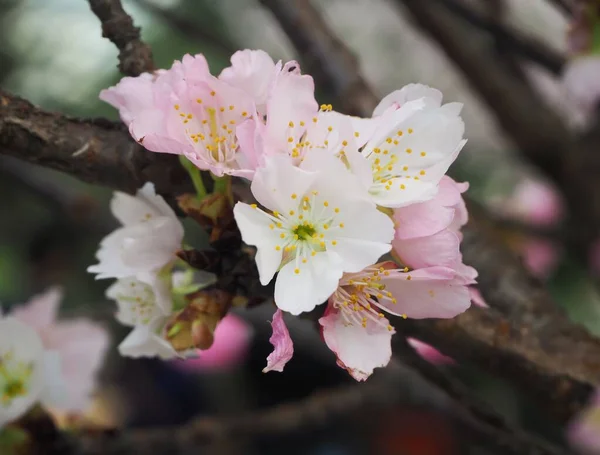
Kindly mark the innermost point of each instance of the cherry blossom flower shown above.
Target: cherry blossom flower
(355, 326)
(147, 242)
(312, 230)
(138, 307)
(79, 343)
(25, 366)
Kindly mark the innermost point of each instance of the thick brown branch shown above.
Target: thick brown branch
(135, 56)
(96, 151)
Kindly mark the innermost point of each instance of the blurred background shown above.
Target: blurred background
(53, 54)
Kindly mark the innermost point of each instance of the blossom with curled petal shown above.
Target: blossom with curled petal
(283, 347)
(146, 243)
(355, 326)
(317, 223)
(79, 343)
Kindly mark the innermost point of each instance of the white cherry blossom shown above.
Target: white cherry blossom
(318, 223)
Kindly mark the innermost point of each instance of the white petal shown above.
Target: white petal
(410, 92)
(317, 280)
(144, 342)
(254, 227)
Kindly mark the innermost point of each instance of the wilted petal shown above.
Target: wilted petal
(283, 348)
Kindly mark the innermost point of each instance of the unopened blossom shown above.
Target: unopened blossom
(283, 347)
(410, 151)
(233, 337)
(79, 343)
(146, 243)
(355, 326)
(316, 224)
(28, 372)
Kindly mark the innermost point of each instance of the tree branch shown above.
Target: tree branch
(95, 150)
(135, 56)
(521, 44)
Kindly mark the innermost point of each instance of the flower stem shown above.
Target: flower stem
(223, 186)
(195, 175)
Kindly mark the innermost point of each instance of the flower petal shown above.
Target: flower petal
(317, 279)
(359, 350)
(283, 347)
(428, 293)
(254, 227)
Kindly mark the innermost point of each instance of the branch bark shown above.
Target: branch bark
(135, 56)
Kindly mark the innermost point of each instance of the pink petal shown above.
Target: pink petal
(441, 249)
(41, 310)
(82, 346)
(283, 348)
(477, 298)
(429, 353)
(426, 293)
(359, 350)
(130, 96)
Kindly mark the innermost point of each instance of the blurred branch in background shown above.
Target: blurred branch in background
(511, 39)
(194, 31)
(570, 160)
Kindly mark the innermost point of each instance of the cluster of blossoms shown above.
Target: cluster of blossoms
(334, 195)
(45, 361)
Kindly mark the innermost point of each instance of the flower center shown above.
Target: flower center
(14, 377)
(304, 231)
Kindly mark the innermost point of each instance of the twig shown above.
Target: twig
(526, 46)
(135, 56)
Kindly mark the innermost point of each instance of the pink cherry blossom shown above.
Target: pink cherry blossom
(185, 111)
(80, 344)
(429, 353)
(232, 341)
(283, 348)
(354, 326)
